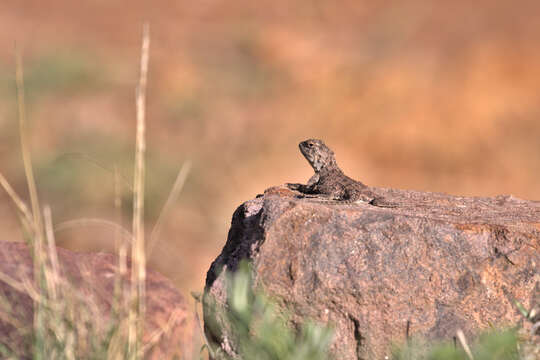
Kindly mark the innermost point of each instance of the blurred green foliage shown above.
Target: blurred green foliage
(66, 70)
(262, 330)
(492, 345)
(81, 171)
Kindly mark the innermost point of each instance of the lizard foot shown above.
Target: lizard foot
(381, 202)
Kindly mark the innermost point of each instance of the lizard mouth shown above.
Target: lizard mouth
(303, 149)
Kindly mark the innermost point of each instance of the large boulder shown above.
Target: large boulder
(91, 277)
(430, 265)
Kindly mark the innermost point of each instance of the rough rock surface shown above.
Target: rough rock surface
(93, 275)
(438, 262)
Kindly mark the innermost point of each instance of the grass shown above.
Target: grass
(68, 322)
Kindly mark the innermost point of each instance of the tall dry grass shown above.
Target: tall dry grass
(68, 322)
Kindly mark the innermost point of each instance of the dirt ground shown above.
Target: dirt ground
(426, 95)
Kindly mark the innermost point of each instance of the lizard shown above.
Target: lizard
(329, 181)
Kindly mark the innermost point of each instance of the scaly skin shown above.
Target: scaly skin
(329, 181)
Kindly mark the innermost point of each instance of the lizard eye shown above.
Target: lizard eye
(310, 144)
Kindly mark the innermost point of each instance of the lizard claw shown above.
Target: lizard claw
(293, 186)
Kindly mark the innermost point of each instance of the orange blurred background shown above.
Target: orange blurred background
(425, 95)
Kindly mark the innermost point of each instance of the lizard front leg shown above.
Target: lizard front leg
(309, 188)
(304, 189)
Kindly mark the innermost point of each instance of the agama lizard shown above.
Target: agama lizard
(329, 182)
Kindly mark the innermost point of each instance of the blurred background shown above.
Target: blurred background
(426, 95)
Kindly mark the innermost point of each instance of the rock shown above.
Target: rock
(434, 264)
(93, 276)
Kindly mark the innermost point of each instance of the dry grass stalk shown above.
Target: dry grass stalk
(52, 272)
(36, 229)
(25, 146)
(173, 196)
(138, 270)
(121, 246)
(463, 341)
(19, 203)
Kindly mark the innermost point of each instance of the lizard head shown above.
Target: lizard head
(317, 153)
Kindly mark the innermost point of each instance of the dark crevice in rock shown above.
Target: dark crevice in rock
(499, 254)
(245, 237)
(290, 272)
(358, 338)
